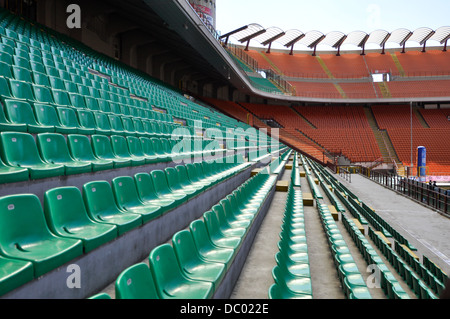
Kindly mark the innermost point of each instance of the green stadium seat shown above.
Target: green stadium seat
(159, 151)
(101, 207)
(22, 90)
(61, 98)
(36, 64)
(87, 121)
(21, 112)
(24, 235)
(191, 263)
(148, 150)
(117, 125)
(53, 149)
(14, 273)
(101, 145)
(81, 150)
(7, 48)
(286, 264)
(5, 57)
(102, 123)
(6, 125)
(169, 279)
(162, 188)
(43, 94)
(186, 182)
(296, 284)
(68, 119)
(176, 187)
(228, 224)
(67, 217)
(46, 115)
(193, 175)
(147, 193)
(206, 248)
(20, 150)
(91, 103)
(128, 126)
(120, 148)
(56, 83)
(136, 150)
(21, 74)
(136, 282)
(127, 198)
(11, 174)
(223, 237)
(22, 62)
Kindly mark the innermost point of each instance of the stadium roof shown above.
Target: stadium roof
(336, 39)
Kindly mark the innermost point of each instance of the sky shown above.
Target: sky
(333, 15)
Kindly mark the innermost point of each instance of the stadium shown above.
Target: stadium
(145, 155)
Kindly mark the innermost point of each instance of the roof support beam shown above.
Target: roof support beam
(227, 36)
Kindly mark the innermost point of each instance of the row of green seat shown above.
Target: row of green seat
(412, 280)
(426, 278)
(435, 270)
(292, 273)
(387, 282)
(51, 155)
(434, 280)
(196, 261)
(278, 164)
(295, 173)
(35, 240)
(19, 115)
(352, 282)
(382, 276)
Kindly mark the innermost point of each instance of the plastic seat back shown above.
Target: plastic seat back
(77, 100)
(20, 112)
(61, 98)
(101, 119)
(80, 147)
(46, 115)
(160, 182)
(66, 215)
(172, 178)
(99, 199)
(125, 191)
(135, 146)
(41, 79)
(21, 74)
(116, 124)
(43, 94)
(86, 119)
(145, 188)
(170, 282)
(119, 146)
(19, 149)
(53, 148)
(101, 145)
(136, 282)
(5, 65)
(68, 117)
(24, 234)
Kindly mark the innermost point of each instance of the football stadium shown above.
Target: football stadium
(253, 163)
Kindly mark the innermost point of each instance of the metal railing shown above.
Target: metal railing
(432, 196)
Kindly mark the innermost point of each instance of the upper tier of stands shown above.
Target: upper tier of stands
(349, 75)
